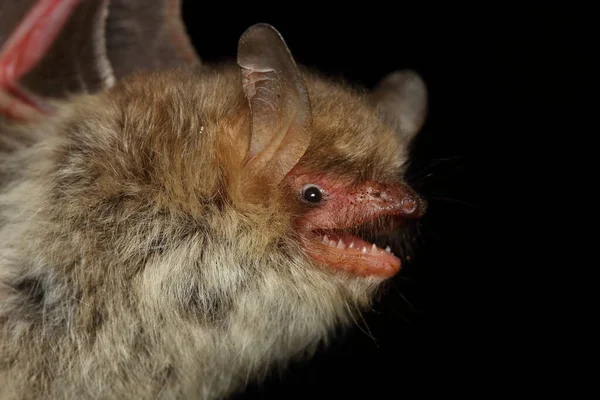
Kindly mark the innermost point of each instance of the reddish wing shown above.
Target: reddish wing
(25, 47)
(68, 46)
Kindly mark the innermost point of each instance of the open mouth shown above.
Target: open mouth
(362, 250)
(354, 228)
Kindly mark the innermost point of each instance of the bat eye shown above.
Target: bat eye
(312, 194)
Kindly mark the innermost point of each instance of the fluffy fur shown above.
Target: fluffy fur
(133, 262)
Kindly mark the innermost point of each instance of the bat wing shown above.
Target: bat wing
(146, 34)
(100, 42)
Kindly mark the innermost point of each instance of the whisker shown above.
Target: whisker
(368, 332)
(410, 306)
(419, 174)
(436, 162)
(403, 317)
(452, 200)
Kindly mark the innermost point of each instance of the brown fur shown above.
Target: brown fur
(133, 264)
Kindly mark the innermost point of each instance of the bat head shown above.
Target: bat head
(339, 153)
(295, 153)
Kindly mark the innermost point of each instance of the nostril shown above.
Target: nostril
(409, 205)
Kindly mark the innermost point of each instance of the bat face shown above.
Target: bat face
(343, 214)
(345, 191)
(350, 183)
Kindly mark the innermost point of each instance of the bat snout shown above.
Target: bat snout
(413, 205)
(398, 198)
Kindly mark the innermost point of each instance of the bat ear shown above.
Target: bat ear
(280, 112)
(401, 98)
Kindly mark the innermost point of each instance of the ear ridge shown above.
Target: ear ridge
(402, 99)
(280, 114)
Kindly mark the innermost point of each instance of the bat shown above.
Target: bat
(175, 229)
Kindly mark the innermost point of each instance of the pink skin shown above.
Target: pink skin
(23, 51)
(344, 206)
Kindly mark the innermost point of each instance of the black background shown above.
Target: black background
(448, 323)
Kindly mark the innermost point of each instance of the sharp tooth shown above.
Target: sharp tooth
(332, 243)
(374, 248)
(364, 250)
(325, 239)
(340, 245)
(351, 245)
(388, 249)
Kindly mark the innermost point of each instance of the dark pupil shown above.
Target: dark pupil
(312, 194)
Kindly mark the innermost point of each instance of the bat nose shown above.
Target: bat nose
(398, 198)
(412, 205)
(405, 200)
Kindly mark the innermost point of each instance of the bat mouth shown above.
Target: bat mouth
(362, 250)
(355, 227)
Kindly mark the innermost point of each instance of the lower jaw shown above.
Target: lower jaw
(363, 259)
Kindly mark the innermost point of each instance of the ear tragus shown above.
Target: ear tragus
(402, 99)
(280, 113)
